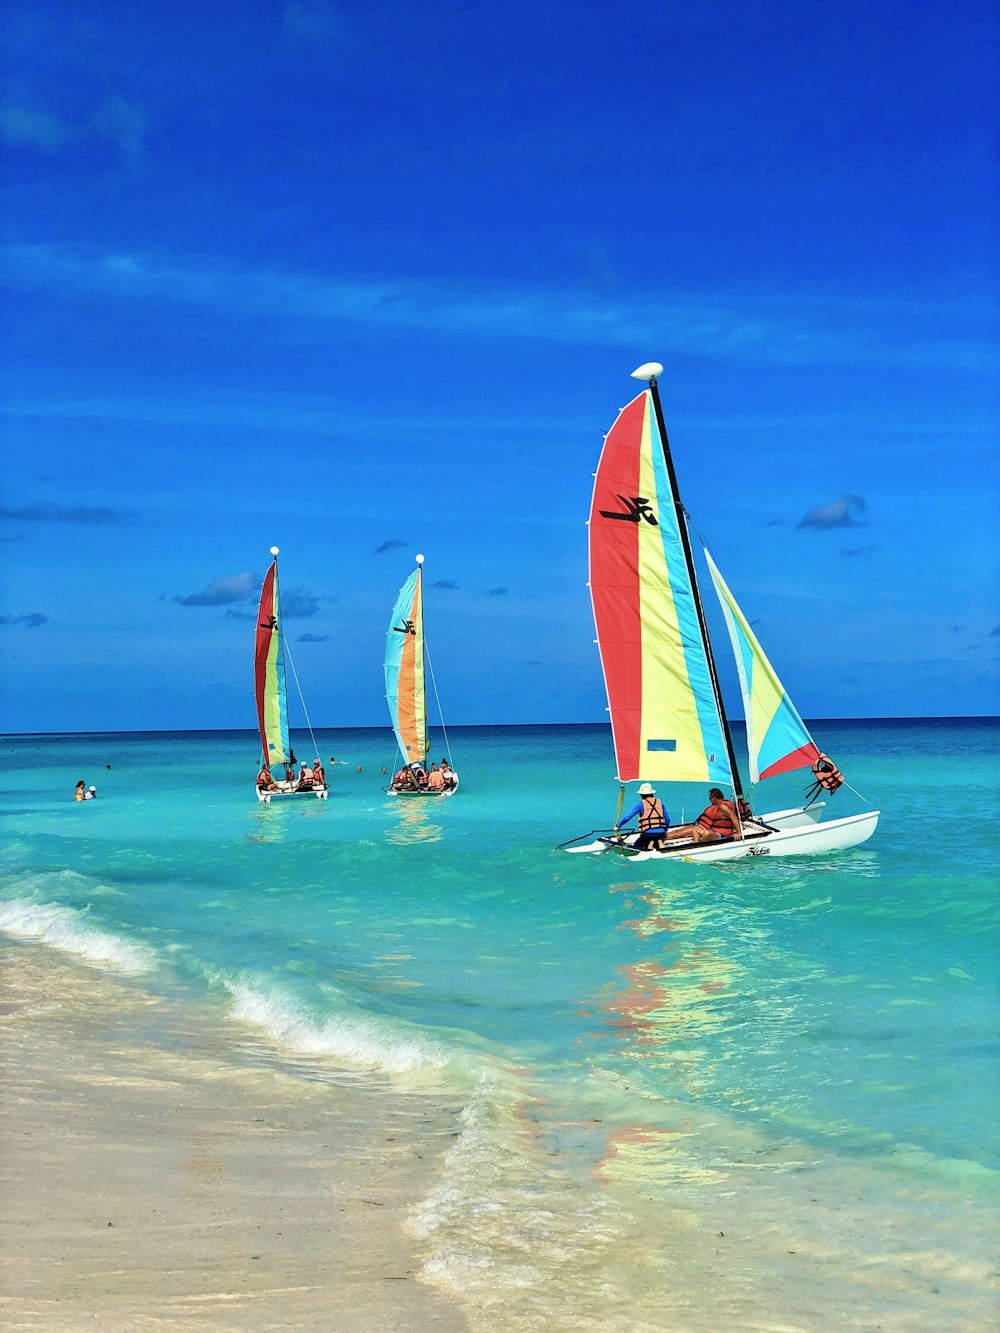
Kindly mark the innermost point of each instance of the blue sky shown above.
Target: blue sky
(367, 279)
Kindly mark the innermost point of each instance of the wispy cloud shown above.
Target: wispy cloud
(496, 592)
(115, 122)
(994, 632)
(313, 638)
(839, 513)
(787, 328)
(225, 590)
(312, 20)
(298, 603)
(390, 545)
(775, 523)
(445, 584)
(860, 550)
(31, 620)
(53, 513)
(25, 127)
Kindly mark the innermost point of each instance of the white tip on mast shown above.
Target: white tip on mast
(650, 371)
(274, 550)
(420, 559)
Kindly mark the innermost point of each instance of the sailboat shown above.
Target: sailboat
(272, 704)
(668, 720)
(407, 666)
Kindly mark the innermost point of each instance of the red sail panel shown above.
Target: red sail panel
(614, 585)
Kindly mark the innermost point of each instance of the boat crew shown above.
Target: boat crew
(653, 820)
(718, 820)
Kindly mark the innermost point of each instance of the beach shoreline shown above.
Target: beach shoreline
(150, 1182)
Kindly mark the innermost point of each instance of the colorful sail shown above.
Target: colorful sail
(664, 715)
(269, 674)
(404, 671)
(776, 736)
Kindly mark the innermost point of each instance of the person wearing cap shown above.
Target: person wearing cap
(91, 794)
(318, 774)
(653, 820)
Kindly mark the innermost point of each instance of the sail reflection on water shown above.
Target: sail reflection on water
(412, 823)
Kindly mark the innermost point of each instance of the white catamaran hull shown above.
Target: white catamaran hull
(801, 816)
(424, 791)
(809, 839)
(266, 797)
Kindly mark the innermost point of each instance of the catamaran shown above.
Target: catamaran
(668, 720)
(407, 666)
(272, 710)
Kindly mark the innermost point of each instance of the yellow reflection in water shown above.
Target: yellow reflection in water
(413, 823)
(665, 1009)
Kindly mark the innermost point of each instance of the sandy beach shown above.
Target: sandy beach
(150, 1182)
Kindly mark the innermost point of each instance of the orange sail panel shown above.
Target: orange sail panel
(664, 714)
(404, 671)
(269, 674)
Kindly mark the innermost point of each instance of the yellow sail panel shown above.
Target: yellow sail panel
(777, 738)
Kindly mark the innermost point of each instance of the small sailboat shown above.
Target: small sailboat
(407, 667)
(668, 720)
(272, 706)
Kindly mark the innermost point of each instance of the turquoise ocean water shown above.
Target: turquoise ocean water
(799, 1053)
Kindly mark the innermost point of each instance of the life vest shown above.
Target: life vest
(651, 815)
(716, 821)
(827, 774)
(743, 810)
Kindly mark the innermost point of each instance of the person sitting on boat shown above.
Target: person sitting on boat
(653, 820)
(264, 779)
(420, 774)
(718, 820)
(435, 779)
(318, 774)
(448, 775)
(305, 781)
(404, 780)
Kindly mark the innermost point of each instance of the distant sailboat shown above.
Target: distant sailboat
(667, 715)
(272, 704)
(407, 666)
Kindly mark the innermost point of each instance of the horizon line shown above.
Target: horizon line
(477, 726)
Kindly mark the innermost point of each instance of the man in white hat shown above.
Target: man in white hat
(653, 820)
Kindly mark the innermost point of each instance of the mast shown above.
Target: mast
(653, 370)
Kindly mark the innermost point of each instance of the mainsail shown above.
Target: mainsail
(665, 713)
(776, 736)
(269, 674)
(404, 670)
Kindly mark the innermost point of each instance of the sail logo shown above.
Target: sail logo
(636, 507)
(407, 627)
(270, 623)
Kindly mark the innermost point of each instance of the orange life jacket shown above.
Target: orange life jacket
(715, 820)
(830, 777)
(651, 815)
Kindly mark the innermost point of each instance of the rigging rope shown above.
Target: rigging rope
(437, 701)
(295, 677)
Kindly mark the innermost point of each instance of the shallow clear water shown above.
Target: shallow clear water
(623, 1037)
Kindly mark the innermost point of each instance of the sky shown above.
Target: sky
(363, 279)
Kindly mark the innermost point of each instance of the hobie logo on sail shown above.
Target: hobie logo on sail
(407, 627)
(637, 507)
(270, 623)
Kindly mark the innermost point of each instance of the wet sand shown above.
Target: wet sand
(151, 1181)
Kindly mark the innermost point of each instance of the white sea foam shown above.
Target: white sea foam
(66, 928)
(361, 1041)
(508, 1227)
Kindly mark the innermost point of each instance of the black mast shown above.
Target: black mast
(689, 559)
